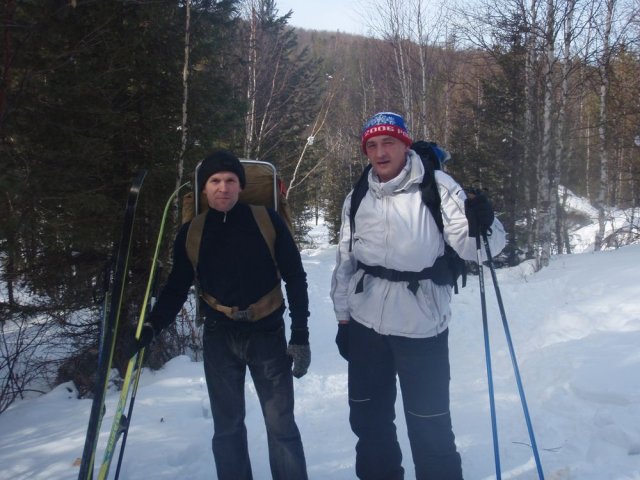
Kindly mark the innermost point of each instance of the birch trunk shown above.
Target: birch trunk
(561, 145)
(252, 65)
(529, 89)
(185, 102)
(398, 36)
(602, 122)
(422, 52)
(544, 205)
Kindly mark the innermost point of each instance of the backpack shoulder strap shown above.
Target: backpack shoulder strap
(359, 191)
(430, 194)
(268, 231)
(194, 238)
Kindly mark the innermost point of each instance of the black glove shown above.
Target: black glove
(479, 213)
(342, 340)
(134, 345)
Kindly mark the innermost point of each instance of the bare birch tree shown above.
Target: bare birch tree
(603, 67)
(422, 124)
(252, 87)
(399, 36)
(544, 171)
(412, 30)
(185, 103)
(531, 59)
(280, 81)
(561, 145)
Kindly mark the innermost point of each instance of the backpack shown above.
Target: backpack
(263, 189)
(433, 157)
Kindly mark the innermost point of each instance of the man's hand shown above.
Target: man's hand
(342, 339)
(479, 213)
(299, 351)
(301, 356)
(133, 345)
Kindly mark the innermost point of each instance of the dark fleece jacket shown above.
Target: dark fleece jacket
(236, 267)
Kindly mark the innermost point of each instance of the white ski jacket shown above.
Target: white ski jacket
(395, 229)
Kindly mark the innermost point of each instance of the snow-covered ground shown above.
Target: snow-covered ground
(575, 327)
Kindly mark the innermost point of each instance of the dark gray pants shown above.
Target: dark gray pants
(227, 354)
(422, 366)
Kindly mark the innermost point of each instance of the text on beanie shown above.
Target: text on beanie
(385, 123)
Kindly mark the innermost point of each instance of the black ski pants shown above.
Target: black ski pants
(227, 355)
(422, 366)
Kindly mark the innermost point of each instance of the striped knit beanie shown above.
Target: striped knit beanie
(385, 123)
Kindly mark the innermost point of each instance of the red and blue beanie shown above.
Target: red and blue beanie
(385, 123)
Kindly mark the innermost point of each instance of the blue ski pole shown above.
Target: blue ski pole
(487, 351)
(512, 353)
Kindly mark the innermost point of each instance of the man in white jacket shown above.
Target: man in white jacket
(392, 314)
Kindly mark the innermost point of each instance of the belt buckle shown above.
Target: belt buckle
(243, 315)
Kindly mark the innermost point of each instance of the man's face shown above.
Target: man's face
(222, 190)
(387, 156)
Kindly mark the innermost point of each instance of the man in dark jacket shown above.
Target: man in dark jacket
(236, 273)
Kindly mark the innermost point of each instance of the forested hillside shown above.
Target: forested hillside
(528, 96)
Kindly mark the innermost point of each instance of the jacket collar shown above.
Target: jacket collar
(224, 216)
(411, 173)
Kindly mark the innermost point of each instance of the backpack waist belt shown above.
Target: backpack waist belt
(439, 274)
(268, 304)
